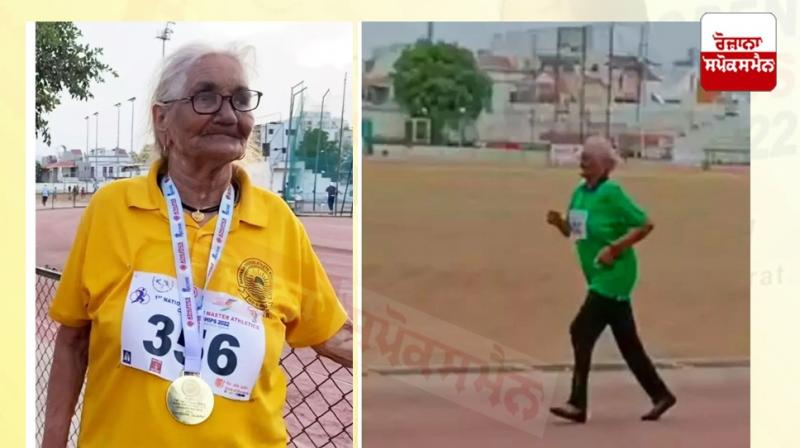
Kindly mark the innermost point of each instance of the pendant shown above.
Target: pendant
(190, 400)
(198, 216)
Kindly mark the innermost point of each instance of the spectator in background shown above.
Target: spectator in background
(332, 192)
(45, 195)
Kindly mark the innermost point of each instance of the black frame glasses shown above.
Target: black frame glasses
(219, 100)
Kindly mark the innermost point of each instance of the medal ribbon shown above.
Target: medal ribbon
(191, 305)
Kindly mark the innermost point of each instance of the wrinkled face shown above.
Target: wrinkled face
(220, 137)
(593, 166)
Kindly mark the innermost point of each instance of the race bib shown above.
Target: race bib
(152, 339)
(577, 224)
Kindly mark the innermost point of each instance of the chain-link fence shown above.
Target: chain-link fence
(59, 197)
(319, 398)
(308, 208)
(62, 200)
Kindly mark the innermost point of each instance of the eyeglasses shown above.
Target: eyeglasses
(208, 103)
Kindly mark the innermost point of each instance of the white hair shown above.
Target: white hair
(601, 147)
(171, 80)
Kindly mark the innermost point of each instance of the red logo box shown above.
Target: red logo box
(738, 52)
(155, 365)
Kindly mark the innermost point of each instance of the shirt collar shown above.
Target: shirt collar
(600, 181)
(147, 196)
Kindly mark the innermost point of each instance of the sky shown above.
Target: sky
(318, 53)
(668, 41)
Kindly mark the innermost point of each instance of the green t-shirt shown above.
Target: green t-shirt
(597, 218)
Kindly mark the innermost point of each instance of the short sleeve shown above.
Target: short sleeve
(71, 301)
(632, 214)
(321, 314)
(572, 197)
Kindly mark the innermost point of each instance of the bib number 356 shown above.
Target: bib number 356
(577, 223)
(221, 358)
(234, 343)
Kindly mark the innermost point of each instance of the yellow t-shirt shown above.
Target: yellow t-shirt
(125, 230)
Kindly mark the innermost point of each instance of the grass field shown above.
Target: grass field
(466, 242)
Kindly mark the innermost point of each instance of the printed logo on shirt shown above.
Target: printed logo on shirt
(577, 224)
(162, 285)
(152, 339)
(181, 249)
(140, 296)
(187, 303)
(255, 283)
(155, 365)
(187, 287)
(222, 223)
(176, 213)
(243, 311)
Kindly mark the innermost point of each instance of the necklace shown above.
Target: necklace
(199, 214)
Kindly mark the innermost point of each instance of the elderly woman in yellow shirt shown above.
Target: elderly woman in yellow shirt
(183, 286)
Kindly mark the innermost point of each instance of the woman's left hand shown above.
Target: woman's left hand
(339, 348)
(607, 256)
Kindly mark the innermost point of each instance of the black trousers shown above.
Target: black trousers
(331, 199)
(597, 312)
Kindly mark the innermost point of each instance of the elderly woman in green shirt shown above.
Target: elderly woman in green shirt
(605, 224)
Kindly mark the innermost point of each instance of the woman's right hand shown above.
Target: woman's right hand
(70, 359)
(554, 218)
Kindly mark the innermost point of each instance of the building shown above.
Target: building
(100, 165)
(376, 82)
(520, 46)
(274, 139)
(537, 100)
(60, 171)
(63, 167)
(528, 47)
(273, 136)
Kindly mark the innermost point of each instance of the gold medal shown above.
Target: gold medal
(190, 400)
(198, 216)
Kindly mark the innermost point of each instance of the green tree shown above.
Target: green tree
(436, 81)
(346, 163)
(39, 171)
(62, 64)
(145, 154)
(329, 155)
